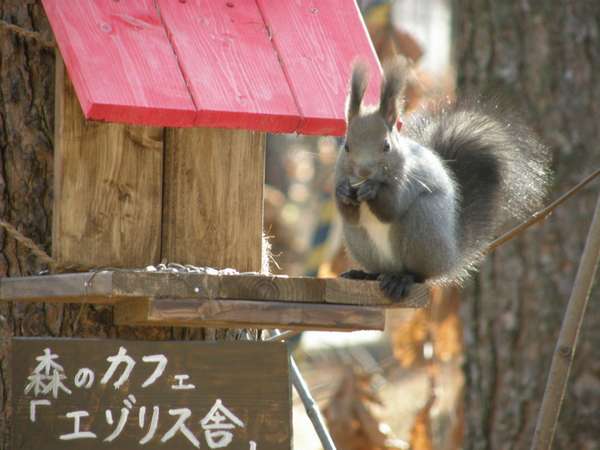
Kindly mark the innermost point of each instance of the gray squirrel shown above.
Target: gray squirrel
(423, 203)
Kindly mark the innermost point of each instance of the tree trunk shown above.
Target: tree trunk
(544, 56)
(26, 169)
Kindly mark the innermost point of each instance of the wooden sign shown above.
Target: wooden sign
(112, 394)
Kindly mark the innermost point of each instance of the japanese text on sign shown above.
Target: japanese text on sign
(139, 399)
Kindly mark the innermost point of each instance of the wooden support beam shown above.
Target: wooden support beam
(213, 198)
(344, 291)
(264, 287)
(112, 286)
(63, 288)
(108, 188)
(229, 301)
(248, 314)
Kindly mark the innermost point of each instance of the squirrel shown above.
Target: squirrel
(422, 200)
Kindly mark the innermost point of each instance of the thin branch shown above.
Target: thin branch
(310, 405)
(542, 214)
(34, 35)
(567, 340)
(312, 409)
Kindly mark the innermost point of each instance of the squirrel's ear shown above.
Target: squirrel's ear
(392, 89)
(358, 85)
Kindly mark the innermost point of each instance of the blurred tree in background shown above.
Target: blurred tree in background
(544, 57)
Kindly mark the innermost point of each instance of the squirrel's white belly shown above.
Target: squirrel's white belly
(377, 231)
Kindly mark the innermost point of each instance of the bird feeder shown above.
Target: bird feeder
(161, 120)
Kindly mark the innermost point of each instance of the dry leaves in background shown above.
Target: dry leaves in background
(435, 330)
(431, 336)
(353, 416)
(421, 436)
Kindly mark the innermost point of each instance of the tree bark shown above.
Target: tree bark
(544, 57)
(26, 179)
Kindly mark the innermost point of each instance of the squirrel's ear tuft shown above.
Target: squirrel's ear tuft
(392, 89)
(358, 85)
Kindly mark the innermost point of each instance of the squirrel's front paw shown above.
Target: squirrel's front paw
(346, 194)
(368, 190)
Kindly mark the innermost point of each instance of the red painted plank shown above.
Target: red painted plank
(120, 61)
(230, 64)
(317, 41)
(126, 69)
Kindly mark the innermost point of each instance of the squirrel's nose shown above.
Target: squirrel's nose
(364, 172)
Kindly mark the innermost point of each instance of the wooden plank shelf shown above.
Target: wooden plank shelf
(235, 301)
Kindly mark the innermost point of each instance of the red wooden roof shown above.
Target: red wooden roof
(268, 65)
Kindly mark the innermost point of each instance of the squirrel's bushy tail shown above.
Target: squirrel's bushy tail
(499, 166)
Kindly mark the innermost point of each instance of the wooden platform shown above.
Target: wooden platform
(193, 299)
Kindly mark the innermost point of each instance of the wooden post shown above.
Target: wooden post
(108, 188)
(213, 197)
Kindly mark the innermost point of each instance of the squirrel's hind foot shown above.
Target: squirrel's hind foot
(354, 274)
(396, 286)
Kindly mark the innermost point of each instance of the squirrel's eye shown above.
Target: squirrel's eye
(346, 147)
(386, 146)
